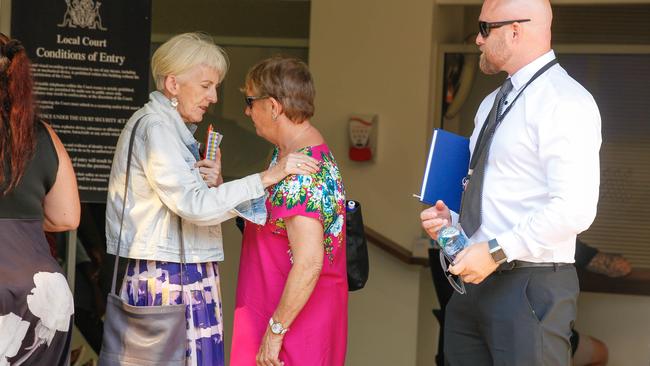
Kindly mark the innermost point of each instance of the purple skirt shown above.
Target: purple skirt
(153, 283)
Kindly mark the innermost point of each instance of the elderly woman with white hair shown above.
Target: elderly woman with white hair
(174, 197)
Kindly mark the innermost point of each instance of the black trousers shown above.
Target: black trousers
(518, 317)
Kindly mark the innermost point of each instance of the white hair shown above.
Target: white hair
(184, 51)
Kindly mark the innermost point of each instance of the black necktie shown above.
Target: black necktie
(470, 210)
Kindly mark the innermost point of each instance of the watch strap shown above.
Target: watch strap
(277, 327)
(497, 253)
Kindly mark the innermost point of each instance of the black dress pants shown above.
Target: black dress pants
(519, 317)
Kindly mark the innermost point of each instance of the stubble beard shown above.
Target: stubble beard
(487, 67)
(492, 60)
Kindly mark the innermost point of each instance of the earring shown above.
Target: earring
(274, 116)
(174, 102)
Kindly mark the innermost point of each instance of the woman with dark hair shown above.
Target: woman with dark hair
(292, 291)
(38, 191)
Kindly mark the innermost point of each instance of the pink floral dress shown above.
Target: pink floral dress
(318, 336)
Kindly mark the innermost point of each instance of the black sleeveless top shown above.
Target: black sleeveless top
(27, 269)
(26, 200)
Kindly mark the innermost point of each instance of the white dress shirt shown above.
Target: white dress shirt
(543, 172)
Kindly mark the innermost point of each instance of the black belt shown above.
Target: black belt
(508, 266)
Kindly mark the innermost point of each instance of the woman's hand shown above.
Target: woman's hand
(269, 349)
(294, 163)
(211, 170)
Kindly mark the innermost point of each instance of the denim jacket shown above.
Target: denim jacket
(166, 191)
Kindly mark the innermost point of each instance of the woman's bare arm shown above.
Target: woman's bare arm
(306, 242)
(61, 205)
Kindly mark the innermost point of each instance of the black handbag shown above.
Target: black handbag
(356, 247)
(142, 335)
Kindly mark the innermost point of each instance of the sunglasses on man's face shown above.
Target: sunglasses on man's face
(250, 99)
(484, 27)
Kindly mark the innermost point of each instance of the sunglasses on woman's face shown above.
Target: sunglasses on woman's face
(484, 27)
(250, 99)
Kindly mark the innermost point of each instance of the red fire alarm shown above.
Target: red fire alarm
(361, 130)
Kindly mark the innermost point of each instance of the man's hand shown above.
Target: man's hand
(435, 218)
(474, 263)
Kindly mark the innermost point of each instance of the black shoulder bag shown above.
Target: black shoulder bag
(356, 247)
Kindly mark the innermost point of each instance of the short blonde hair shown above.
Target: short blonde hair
(184, 51)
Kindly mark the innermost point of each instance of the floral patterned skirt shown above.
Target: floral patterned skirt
(36, 304)
(154, 283)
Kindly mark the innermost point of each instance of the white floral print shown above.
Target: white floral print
(13, 330)
(337, 226)
(50, 301)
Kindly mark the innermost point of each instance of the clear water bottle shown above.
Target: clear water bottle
(452, 240)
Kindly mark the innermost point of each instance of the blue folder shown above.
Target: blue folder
(446, 167)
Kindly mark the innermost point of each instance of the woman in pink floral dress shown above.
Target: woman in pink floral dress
(291, 306)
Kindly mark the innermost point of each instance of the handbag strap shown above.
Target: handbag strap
(119, 237)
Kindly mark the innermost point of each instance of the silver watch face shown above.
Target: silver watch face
(276, 328)
(499, 256)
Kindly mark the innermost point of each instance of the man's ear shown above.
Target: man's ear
(171, 84)
(516, 30)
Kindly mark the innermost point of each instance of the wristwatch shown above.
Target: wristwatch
(497, 253)
(276, 327)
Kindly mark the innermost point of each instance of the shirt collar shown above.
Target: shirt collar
(162, 105)
(521, 77)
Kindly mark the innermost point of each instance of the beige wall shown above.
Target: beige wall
(5, 16)
(366, 59)
(373, 61)
(621, 321)
(232, 18)
(384, 317)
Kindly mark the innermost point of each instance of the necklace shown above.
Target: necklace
(295, 138)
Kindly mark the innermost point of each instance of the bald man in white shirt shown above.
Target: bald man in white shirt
(538, 188)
